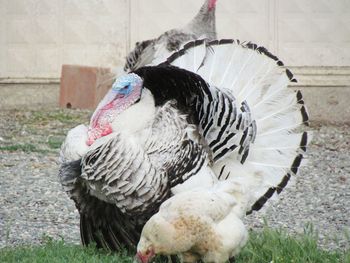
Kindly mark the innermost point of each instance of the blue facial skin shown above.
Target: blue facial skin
(124, 84)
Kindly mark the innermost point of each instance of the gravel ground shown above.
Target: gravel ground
(33, 205)
(320, 194)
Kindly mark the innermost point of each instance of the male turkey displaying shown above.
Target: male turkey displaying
(213, 111)
(158, 49)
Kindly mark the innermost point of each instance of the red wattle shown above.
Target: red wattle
(107, 129)
(98, 132)
(101, 112)
(90, 141)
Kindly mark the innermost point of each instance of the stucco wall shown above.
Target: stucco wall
(37, 36)
(312, 36)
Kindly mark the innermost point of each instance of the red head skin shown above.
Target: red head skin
(100, 126)
(212, 4)
(115, 102)
(145, 257)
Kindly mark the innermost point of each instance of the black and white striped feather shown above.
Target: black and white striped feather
(130, 176)
(267, 150)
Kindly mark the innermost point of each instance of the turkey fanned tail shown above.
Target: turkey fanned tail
(252, 124)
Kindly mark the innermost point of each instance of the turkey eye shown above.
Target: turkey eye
(125, 87)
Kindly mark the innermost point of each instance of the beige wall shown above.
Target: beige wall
(311, 36)
(37, 36)
(302, 32)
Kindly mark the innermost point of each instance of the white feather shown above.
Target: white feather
(204, 178)
(194, 58)
(257, 79)
(74, 146)
(139, 121)
(186, 222)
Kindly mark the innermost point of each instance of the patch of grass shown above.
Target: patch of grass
(272, 245)
(265, 246)
(38, 131)
(27, 147)
(58, 251)
(62, 116)
(55, 142)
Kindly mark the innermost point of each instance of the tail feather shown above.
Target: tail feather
(282, 141)
(285, 120)
(194, 57)
(258, 79)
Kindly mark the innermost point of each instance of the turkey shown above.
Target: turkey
(158, 49)
(213, 110)
(202, 224)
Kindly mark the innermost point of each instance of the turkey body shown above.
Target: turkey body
(135, 169)
(214, 111)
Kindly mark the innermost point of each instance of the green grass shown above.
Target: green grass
(58, 251)
(55, 142)
(277, 246)
(264, 246)
(25, 147)
(19, 147)
(63, 116)
(38, 131)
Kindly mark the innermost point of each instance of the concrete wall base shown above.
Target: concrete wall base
(326, 93)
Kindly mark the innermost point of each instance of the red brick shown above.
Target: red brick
(83, 87)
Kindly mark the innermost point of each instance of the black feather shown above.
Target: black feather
(244, 156)
(226, 41)
(262, 200)
(296, 163)
(304, 115)
(221, 171)
(171, 83)
(299, 95)
(303, 141)
(283, 183)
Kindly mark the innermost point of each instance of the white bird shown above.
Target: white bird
(158, 49)
(201, 224)
(213, 110)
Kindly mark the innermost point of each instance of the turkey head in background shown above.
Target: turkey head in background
(154, 51)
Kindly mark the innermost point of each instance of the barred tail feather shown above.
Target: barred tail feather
(254, 76)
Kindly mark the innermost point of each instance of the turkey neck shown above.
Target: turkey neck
(203, 24)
